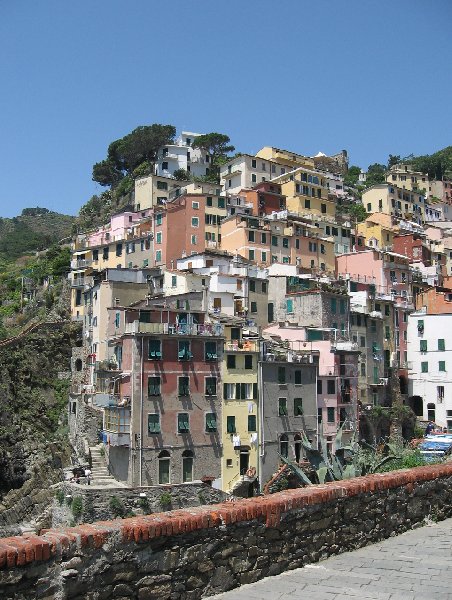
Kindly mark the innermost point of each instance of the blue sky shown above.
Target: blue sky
(373, 77)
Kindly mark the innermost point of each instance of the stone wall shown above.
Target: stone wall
(96, 502)
(85, 422)
(192, 553)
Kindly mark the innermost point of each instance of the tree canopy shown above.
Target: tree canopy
(352, 176)
(133, 154)
(217, 146)
(376, 173)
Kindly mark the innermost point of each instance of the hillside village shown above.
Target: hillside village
(223, 322)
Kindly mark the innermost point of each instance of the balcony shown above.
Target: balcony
(345, 346)
(228, 174)
(208, 329)
(106, 365)
(81, 282)
(243, 346)
(80, 264)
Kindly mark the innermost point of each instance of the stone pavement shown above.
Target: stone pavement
(415, 565)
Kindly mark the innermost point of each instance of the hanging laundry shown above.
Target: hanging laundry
(236, 441)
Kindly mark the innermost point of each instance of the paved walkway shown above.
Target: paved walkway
(412, 566)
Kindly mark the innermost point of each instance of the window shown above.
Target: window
(252, 285)
(264, 287)
(281, 374)
(362, 341)
(251, 236)
(153, 386)
(331, 414)
(323, 208)
(118, 249)
(211, 422)
(263, 238)
(251, 254)
(319, 416)
(162, 185)
(184, 386)
(158, 256)
(264, 256)
(440, 394)
(274, 240)
(248, 362)
(387, 310)
(230, 424)
(184, 350)
(164, 467)
(284, 446)
(221, 203)
(195, 205)
(230, 361)
(298, 378)
(333, 305)
(285, 242)
(164, 166)
(441, 345)
(235, 333)
(154, 423)
(282, 407)
(211, 386)
(155, 350)
(298, 407)
(442, 365)
(194, 240)
(195, 221)
(187, 466)
(105, 253)
(173, 281)
(209, 201)
(331, 386)
(342, 306)
(210, 351)
(253, 164)
(252, 423)
(254, 307)
(423, 345)
(253, 178)
(319, 386)
(183, 424)
(158, 237)
(159, 219)
(424, 367)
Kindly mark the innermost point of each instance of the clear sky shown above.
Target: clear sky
(373, 77)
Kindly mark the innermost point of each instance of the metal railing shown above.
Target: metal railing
(207, 329)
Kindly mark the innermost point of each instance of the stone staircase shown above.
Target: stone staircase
(100, 477)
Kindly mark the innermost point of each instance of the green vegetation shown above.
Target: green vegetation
(218, 147)
(182, 175)
(351, 178)
(77, 507)
(437, 165)
(117, 507)
(143, 503)
(59, 495)
(165, 499)
(137, 150)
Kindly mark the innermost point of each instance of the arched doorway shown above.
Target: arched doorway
(284, 445)
(297, 447)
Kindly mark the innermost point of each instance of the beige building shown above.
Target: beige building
(155, 190)
(406, 178)
(391, 200)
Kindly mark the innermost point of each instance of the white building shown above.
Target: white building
(182, 155)
(429, 346)
(246, 171)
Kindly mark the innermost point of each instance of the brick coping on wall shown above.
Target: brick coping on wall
(18, 551)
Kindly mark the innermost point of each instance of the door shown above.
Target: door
(244, 460)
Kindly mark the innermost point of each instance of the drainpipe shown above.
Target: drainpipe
(261, 442)
(141, 413)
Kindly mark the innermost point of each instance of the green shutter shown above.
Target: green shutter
(230, 424)
(154, 423)
(225, 390)
(182, 422)
(252, 423)
(153, 386)
(298, 407)
(423, 345)
(442, 365)
(282, 407)
(441, 345)
(211, 422)
(289, 305)
(424, 367)
(254, 391)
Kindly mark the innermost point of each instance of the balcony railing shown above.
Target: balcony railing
(81, 264)
(207, 329)
(243, 346)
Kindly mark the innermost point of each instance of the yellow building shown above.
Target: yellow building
(405, 177)
(240, 431)
(307, 194)
(285, 158)
(378, 230)
(155, 190)
(391, 200)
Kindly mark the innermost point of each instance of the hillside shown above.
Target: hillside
(35, 229)
(436, 165)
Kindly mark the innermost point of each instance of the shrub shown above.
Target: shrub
(77, 507)
(165, 499)
(59, 495)
(117, 507)
(143, 503)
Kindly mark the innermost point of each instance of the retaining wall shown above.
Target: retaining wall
(192, 553)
